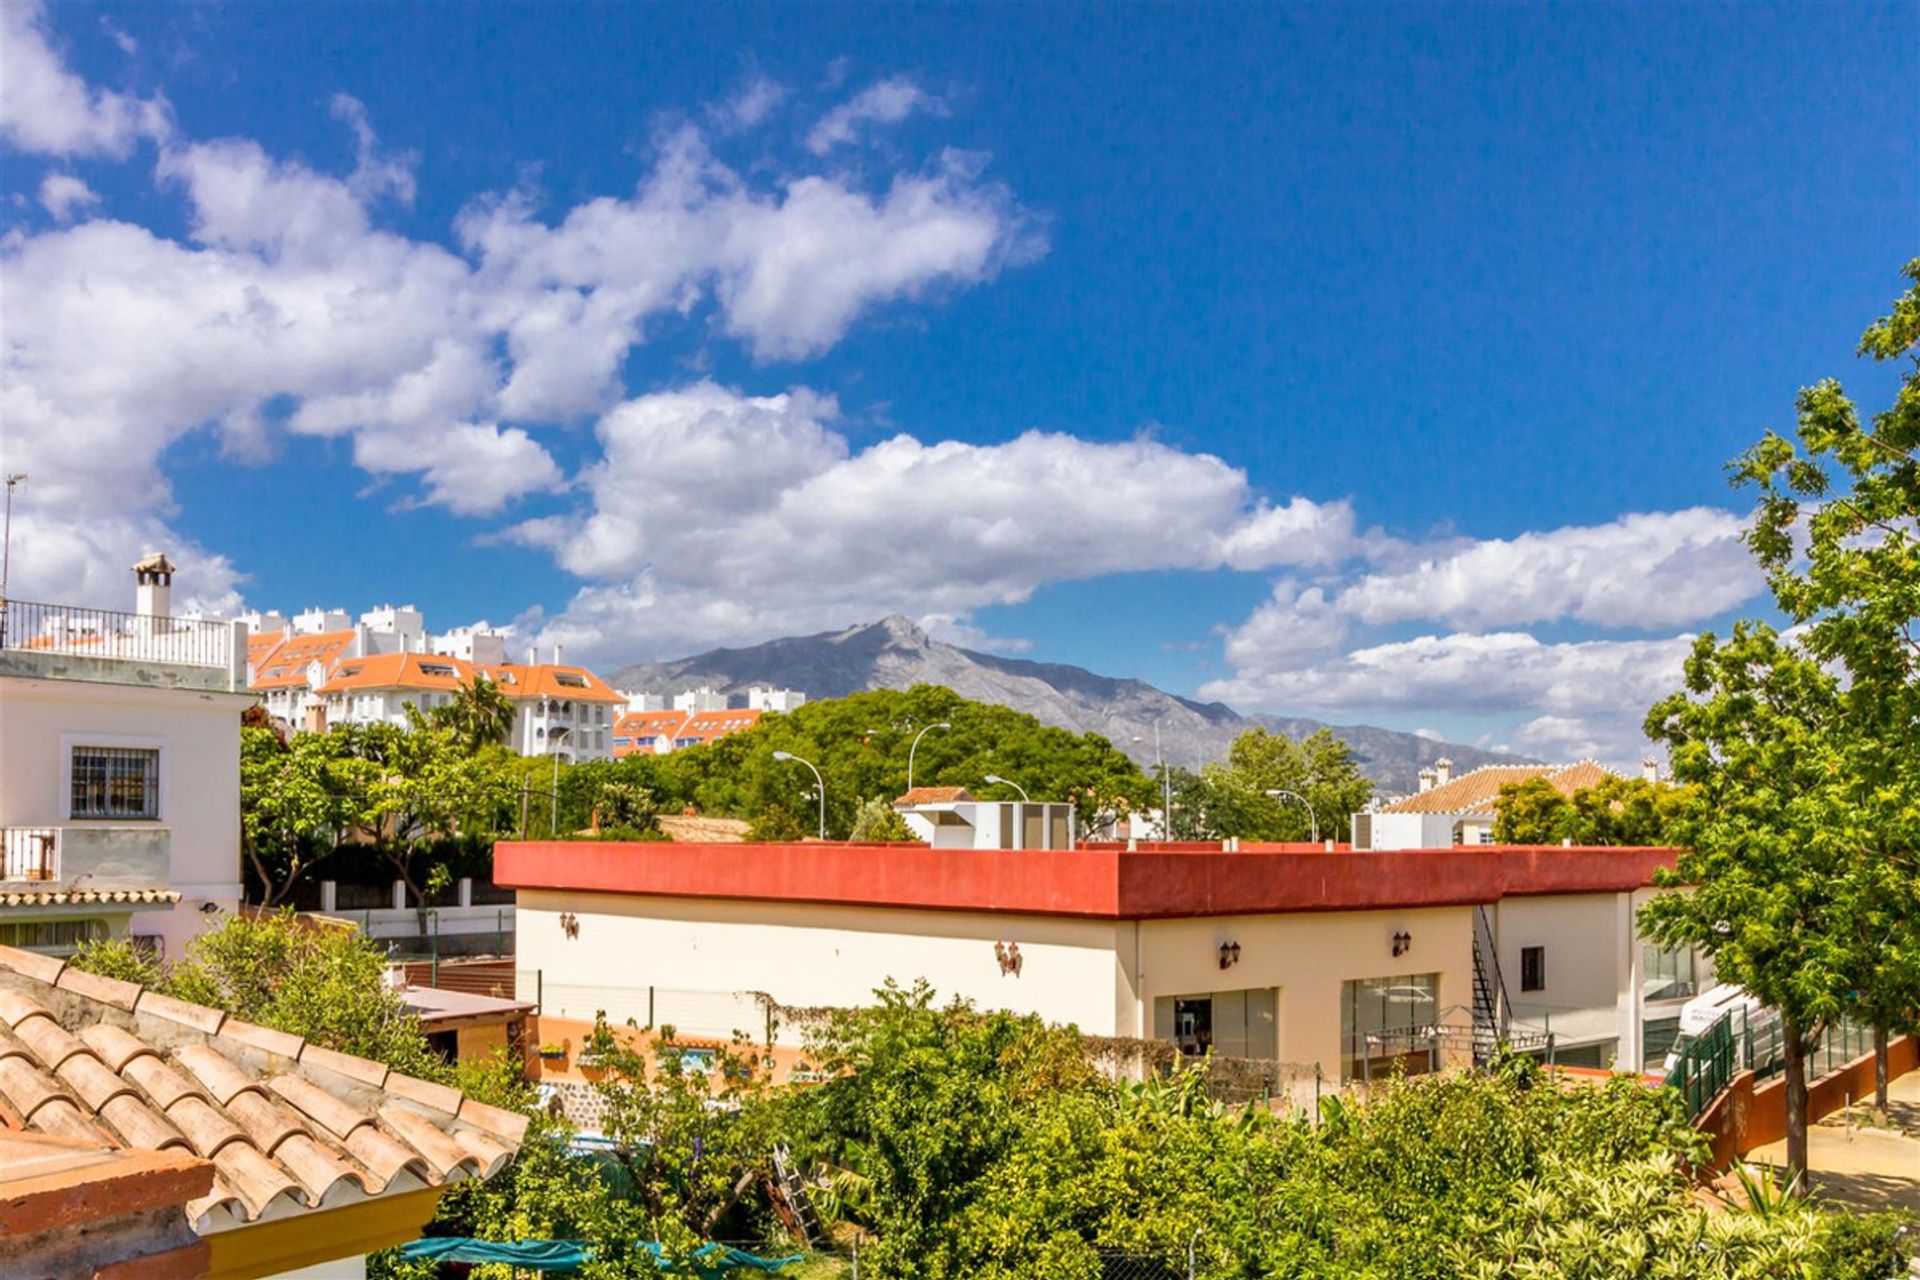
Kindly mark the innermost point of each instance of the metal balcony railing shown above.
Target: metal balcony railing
(29, 853)
(30, 626)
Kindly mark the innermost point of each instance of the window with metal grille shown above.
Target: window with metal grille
(116, 782)
(1533, 968)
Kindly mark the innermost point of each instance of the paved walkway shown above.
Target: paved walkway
(1859, 1167)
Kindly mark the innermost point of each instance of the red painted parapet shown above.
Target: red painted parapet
(1105, 883)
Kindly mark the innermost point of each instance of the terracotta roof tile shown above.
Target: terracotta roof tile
(443, 1155)
(509, 1126)
(52, 1043)
(61, 1118)
(365, 1070)
(1478, 790)
(36, 966)
(932, 795)
(271, 1112)
(265, 1039)
(139, 1125)
(330, 1113)
(121, 995)
(197, 1016)
(115, 1045)
(83, 897)
(438, 1096)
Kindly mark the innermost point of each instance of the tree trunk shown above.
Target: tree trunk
(1880, 1040)
(1795, 1047)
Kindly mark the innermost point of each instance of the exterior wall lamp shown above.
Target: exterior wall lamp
(1402, 943)
(1008, 956)
(1229, 954)
(570, 924)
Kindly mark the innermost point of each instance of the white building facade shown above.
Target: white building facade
(120, 796)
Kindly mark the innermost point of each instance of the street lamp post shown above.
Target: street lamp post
(553, 820)
(820, 786)
(1313, 823)
(1009, 782)
(6, 540)
(1166, 782)
(916, 746)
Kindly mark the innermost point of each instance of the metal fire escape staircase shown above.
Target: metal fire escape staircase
(1492, 1019)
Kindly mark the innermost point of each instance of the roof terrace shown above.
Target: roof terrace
(104, 646)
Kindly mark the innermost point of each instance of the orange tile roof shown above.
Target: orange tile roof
(681, 728)
(435, 672)
(545, 680)
(1477, 790)
(286, 665)
(287, 1124)
(932, 795)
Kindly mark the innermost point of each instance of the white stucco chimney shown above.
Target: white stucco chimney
(533, 656)
(1650, 769)
(556, 655)
(1442, 772)
(1426, 780)
(153, 585)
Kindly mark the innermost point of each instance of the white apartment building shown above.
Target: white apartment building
(702, 699)
(120, 799)
(1448, 810)
(558, 710)
(770, 699)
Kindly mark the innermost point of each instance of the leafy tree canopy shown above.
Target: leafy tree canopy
(1614, 811)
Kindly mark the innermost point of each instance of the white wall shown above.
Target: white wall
(1413, 830)
(198, 737)
(1101, 975)
(810, 954)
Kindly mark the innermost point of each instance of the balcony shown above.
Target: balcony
(68, 642)
(95, 863)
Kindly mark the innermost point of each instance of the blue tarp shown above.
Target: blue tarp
(709, 1262)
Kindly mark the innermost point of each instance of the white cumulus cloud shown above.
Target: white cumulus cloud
(46, 109)
(887, 102)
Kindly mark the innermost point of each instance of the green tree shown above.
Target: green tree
(325, 983)
(1838, 533)
(877, 819)
(1319, 770)
(296, 802)
(421, 785)
(480, 715)
(626, 809)
(1758, 731)
(1614, 811)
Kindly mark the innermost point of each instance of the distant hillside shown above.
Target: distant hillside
(894, 653)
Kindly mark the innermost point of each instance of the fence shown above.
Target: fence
(697, 1015)
(1743, 1041)
(106, 633)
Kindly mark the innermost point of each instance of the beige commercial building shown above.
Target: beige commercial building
(1345, 960)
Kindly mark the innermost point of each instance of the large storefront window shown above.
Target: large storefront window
(1231, 1024)
(1666, 975)
(1388, 1022)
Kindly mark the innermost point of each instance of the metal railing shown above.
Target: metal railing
(29, 853)
(30, 626)
(1742, 1041)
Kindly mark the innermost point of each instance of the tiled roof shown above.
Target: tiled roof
(932, 795)
(287, 1124)
(285, 666)
(83, 897)
(438, 673)
(688, 829)
(1476, 791)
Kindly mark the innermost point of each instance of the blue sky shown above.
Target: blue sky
(1378, 364)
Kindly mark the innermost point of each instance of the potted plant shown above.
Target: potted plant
(554, 1051)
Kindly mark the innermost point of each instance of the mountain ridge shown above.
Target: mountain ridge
(895, 653)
